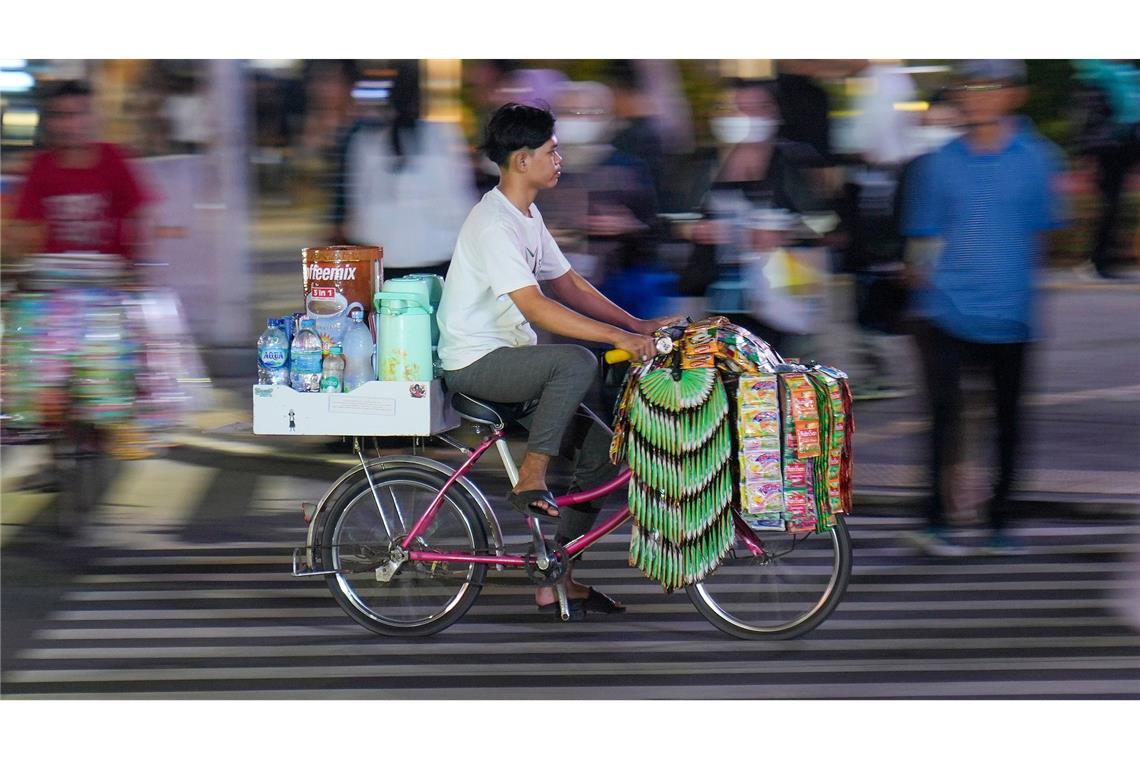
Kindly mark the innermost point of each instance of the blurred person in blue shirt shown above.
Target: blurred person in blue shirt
(976, 212)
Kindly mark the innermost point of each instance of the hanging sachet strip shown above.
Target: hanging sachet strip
(681, 491)
(758, 433)
(804, 413)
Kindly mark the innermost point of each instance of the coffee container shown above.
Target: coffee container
(338, 279)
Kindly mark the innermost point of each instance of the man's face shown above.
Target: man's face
(544, 165)
(986, 103)
(68, 121)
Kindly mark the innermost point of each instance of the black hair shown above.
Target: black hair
(622, 75)
(514, 127)
(67, 88)
(405, 101)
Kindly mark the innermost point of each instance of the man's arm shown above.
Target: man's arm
(555, 318)
(576, 292)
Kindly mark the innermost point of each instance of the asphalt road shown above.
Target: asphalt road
(179, 587)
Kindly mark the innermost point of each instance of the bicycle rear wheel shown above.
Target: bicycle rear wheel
(358, 537)
(783, 594)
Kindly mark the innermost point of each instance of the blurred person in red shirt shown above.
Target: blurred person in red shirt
(78, 194)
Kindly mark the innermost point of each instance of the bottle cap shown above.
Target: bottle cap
(307, 323)
(357, 315)
(335, 350)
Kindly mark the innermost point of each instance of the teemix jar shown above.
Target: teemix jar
(337, 280)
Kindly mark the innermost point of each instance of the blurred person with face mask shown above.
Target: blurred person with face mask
(79, 194)
(757, 172)
(408, 184)
(976, 213)
(603, 212)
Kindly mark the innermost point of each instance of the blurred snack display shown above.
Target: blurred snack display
(79, 349)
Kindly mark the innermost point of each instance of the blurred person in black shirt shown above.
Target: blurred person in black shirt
(804, 105)
(758, 170)
(637, 135)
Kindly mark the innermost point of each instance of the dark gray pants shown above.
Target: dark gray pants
(560, 376)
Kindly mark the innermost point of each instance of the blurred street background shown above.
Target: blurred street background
(176, 582)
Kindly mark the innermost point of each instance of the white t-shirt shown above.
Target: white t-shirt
(499, 250)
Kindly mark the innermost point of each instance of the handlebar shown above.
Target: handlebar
(664, 345)
(665, 337)
(617, 356)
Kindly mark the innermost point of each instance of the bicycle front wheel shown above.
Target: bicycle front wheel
(786, 592)
(359, 534)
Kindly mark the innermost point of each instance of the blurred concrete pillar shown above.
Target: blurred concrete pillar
(226, 262)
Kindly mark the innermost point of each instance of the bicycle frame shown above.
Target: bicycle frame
(575, 547)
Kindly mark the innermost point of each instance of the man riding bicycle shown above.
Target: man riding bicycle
(489, 350)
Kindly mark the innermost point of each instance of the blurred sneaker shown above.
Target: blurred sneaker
(938, 542)
(1086, 272)
(1003, 544)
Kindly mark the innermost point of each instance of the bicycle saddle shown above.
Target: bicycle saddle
(489, 412)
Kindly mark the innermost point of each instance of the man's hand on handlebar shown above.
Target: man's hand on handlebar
(640, 347)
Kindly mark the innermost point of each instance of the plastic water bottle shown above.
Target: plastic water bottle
(306, 353)
(273, 355)
(332, 371)
(358, 350)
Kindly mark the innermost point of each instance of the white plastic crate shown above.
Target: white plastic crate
(377, 408)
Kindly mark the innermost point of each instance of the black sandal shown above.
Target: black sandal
(599, 602)
(521, 502)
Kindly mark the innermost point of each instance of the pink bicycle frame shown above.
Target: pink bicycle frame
(574, 547)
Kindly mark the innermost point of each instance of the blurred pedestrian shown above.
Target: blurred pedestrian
(977, 211)
(79, 194)
(603, 212)
(758, 172)
(883, 137)
(1108, 130)
(408, 184)
(603, 215)
(638, 133)
(331, 120)
(187, 114)
(804, 104)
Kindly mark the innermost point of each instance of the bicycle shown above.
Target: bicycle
(405, 543)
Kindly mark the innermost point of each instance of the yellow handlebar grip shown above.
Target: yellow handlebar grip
(617, 356)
